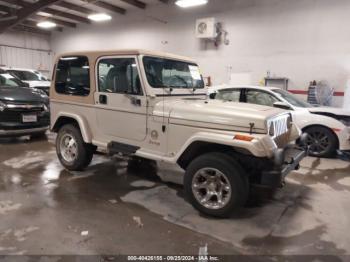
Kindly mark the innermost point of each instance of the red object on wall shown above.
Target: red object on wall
(304, 92)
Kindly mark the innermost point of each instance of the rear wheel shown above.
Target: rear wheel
(321, 141)
(216, 185)
(72, 151)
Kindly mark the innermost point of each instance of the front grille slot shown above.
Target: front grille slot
(281, 127)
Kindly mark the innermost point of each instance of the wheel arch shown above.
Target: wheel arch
(197, 148)
(65, 119)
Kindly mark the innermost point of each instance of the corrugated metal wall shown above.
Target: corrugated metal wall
(26, 50)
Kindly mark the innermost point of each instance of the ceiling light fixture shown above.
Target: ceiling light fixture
(46, 24)
(44, 14)
(99, 17)
(190, 3)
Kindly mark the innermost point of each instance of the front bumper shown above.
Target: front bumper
(22, 132)
(284, 161)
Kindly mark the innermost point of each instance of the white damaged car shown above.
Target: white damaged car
(328, 128)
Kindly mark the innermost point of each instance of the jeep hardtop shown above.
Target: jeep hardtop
(153, 106)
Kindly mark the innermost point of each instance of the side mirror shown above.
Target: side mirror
(212, 95)
(282, 105)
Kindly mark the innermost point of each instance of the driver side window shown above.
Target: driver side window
(119, 75)
(260, 98)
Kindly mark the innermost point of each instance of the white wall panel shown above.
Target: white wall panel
(26, 50)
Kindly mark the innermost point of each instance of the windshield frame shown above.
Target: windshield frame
(288, 97)
(187, 87)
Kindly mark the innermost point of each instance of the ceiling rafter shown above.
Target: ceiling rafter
(135, 3)
(66, 15)
(23, 13)
(19, 3)
(107, 6)
(74, 7)
(7, 9)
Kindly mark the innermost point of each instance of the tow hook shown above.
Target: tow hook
(283, 183)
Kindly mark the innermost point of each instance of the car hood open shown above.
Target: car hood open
(217, 114)
(21, 94)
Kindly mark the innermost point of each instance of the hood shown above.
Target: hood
(21, 94)
(38, 83)
(217, 114)
(329, 111)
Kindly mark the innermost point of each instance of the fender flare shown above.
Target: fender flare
(82, 123)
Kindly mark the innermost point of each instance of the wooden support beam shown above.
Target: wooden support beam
(6, 9)
(74, 7)
(55, 20)
(110, 7)
(136, 3)
(19, 3)
(66, 15)
(25, 12)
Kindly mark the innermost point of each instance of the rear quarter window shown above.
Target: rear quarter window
(73, 76)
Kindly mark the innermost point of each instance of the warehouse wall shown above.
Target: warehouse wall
(300, 39)
(26, 50)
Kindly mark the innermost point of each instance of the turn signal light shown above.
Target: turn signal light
(243, 138)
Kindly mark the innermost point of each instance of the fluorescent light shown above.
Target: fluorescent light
(44, 14)
(99, 17)
(69, 58)
(46, 24)
(190, 3)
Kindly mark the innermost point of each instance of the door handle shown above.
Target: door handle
(102, 99)
(134, 100)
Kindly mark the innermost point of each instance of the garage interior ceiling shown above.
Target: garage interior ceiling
(24, 15)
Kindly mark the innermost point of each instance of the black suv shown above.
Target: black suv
(23, 110)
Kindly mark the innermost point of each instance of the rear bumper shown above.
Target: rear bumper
(22, 132)
(285, 161)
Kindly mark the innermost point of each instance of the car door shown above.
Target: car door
(121, 105)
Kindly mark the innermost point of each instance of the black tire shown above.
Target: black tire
(41, 135)
(236, 177)
(84, 151)
(322, 141)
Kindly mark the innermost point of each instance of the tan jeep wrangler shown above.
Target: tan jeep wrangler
(153, 106)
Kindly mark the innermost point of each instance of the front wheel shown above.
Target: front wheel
(73, 153)
(216, 185)
(322, 142)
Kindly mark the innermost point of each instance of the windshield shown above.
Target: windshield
(171, 73)
(25, 75)
(8, 80)
(292, 99)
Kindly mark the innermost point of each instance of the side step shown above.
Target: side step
(115, 148)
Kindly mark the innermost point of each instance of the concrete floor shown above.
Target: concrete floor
(108, 209)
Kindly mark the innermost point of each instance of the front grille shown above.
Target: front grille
(280, 129)
(14, 113)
